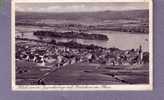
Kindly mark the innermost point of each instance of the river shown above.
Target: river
(122, 40)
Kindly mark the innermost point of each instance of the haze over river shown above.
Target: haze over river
(121, 40)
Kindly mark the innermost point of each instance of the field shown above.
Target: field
(84, 74)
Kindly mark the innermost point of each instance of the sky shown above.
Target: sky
(78, 7)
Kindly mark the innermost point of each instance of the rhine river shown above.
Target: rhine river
(121, 40)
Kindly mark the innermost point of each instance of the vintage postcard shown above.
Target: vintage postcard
(82, 45)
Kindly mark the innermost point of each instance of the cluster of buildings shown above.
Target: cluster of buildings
(56, 56)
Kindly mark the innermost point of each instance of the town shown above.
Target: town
(44, 53)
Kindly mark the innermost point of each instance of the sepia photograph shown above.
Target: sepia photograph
(103, 44)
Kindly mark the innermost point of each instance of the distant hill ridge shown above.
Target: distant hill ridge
(95, 16)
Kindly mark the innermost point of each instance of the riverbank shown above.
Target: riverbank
(70, 44)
